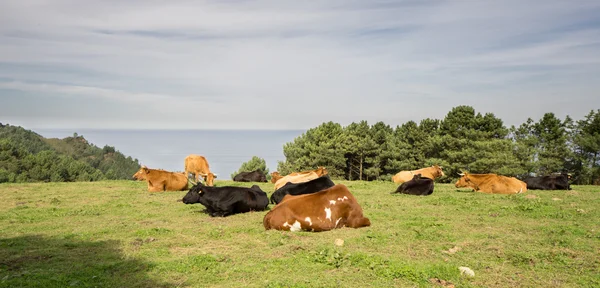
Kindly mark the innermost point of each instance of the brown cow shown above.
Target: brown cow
(432, 172)
(275, 176)
(198, 166)
(491, 183)
(299, 178)
(161, 180)
(329, 209)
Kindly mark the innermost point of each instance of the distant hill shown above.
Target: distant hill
(26, 156)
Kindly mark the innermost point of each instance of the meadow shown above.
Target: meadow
(116, 234)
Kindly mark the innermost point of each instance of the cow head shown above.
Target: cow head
(275, 176)
(141, 174)
(321, 171)
(209, 178)
(193, 196)
(462, 181)
(438, 172)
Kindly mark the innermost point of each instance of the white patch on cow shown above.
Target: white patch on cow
(342, 199)
(328, 214)
(332, 202)
(296, 227)
(307, 219)
(337, 221)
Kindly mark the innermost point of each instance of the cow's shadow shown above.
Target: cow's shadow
(60, 262)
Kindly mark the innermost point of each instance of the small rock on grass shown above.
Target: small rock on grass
(466, 271)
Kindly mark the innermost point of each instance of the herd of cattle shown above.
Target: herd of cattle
(309, 200)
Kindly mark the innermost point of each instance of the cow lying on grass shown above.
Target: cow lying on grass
(329, 209)
(227, 200)
(491, 183)
(417, 186)
(254, 176)
(160, 180)
(549, 182)
(296, 189)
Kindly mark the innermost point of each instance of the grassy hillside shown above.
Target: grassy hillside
(26, 156)
(116, 234)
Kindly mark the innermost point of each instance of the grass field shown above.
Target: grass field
(116, 234)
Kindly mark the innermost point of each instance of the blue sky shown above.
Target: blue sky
(292, 64)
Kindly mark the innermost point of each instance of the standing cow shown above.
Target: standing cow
(198, 166)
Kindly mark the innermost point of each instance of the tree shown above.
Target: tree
(586, 148)
(256, 163)
(319, 146)
(360, 150)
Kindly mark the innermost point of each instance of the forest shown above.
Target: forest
(26, 156)
(463, 141)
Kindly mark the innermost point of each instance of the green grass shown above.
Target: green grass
(116, 234)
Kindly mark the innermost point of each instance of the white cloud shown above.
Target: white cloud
(274, 64)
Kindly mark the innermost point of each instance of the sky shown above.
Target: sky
(238, 64)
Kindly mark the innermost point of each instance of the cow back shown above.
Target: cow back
(308, 187)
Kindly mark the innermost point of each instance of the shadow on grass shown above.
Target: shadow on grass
(41, 261)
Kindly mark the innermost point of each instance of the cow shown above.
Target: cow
(417, 186)
(491, 183)
(160, 180)
(254, 176)
(332, 208)
(227, 200)
(557, 181)
(295, 189)
(275, 176)
(299, 178)
(198, 166)
(432, 173)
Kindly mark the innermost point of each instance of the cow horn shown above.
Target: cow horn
(461, 174)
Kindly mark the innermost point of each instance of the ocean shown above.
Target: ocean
(225, 150)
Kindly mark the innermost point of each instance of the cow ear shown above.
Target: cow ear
(215, 175)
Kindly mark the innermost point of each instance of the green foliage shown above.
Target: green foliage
(256, 163)
(28, 157)
(463, 140)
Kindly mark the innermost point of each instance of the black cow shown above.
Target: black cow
(417, 186)
(295, 189)
(549, 182)
(254, 176)
(227, 200)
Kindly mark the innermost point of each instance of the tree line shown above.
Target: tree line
(463, 141)
(26, 156)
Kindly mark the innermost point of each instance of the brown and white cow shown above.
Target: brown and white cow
(329, 209)
(432, 172)
(491, 183)
(161, 180)
(198, 166)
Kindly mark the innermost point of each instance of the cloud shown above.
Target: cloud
(296, 64)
